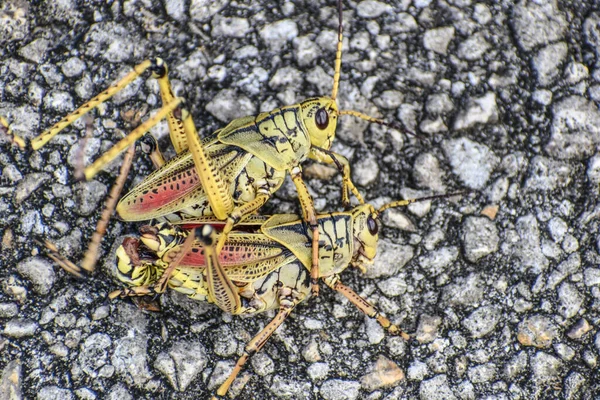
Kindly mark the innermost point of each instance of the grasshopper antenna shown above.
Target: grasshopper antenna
(404, 203)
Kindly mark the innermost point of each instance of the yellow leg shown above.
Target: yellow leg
(310, 215)
(287, 303)
(215, 186)
(91, 255)
(5, 127)
(42, 139)
(61, 260)
(364, 306)
(221, 290)
(239, 214)
(341, 162)
(128, 140)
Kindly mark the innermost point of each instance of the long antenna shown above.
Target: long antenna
(404, 203)
(338, 54)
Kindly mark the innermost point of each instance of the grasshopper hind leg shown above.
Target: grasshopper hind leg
(363, 305)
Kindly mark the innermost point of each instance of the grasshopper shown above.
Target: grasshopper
(232, 173)
(264, 266)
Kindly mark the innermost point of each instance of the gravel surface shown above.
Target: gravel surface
(500, 288)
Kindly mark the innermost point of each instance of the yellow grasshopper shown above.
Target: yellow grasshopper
(231, 174)
(264, 266)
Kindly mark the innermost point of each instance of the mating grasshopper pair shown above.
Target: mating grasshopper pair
(234, 172)
(276, 262)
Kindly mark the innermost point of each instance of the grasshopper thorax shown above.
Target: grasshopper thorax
(366, 235)
(320, 115)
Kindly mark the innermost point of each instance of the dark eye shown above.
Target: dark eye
(372, 225)
(322, 119)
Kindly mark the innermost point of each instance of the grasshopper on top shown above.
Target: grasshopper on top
(235, 171)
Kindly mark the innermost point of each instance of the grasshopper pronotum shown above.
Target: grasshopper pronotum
(234, 172)
(262, 267)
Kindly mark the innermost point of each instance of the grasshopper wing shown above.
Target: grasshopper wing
(176, 186)
(335, 239)
(278, 137)
(246, 257)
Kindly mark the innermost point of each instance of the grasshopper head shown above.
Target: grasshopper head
(320, 115)
(366, 228)
(139, 260)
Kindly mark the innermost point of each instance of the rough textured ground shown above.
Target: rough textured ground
(500, 288)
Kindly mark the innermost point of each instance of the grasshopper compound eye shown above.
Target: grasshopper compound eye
(372, 225)
(322, 119)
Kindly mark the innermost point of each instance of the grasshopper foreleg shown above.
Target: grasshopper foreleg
(310, 216)
(342, 164)
(363, 305)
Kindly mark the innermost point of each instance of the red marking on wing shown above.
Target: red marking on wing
(151, 196)
(230, 255)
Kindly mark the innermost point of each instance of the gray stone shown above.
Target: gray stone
(479, 110)
(93, 354)
(538, 23)
(593, 170)
(365, 171)
(54, 393)
(290, 388)
(471, 161)
(372, 8)
(545, 368)
(438, 39)
(119, 392)
(338, 389)
(305, 50)
(528, 249)
(516, 366)
(427, 172)
(318, 371)
(482, 373)
(130, 360)
(228, 105)
(36, 50)
(276, 34)
(176, 9)
(262, 364)
(38, 271)
(73, 67)
(202, 10)
(20, 328)
(230, 27)
(547, 62)
(482, 321)
(480, 237)
(575, 386)
(390, 259)
(8, 310)
(436, 388)
(30, 184)
(436, 261)
(570, 300)
(546, 174)
(575, 129)
(11, 381)
(417, 371)
(182, 363)
(465, 291)
(393, 286)
(474, 47)
(428, 328)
